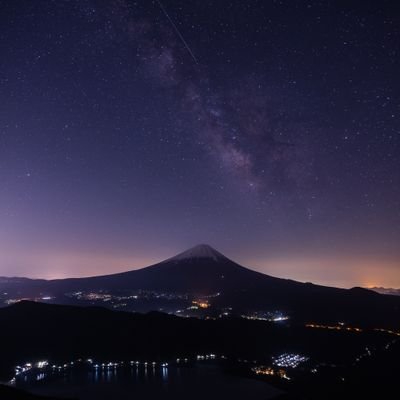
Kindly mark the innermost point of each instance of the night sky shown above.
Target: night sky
(132, 130)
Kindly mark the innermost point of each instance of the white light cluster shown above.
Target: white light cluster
(41, 364)
(272, 316)
(206, 357)
(289, 360)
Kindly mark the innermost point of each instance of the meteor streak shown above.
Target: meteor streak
(177, 31)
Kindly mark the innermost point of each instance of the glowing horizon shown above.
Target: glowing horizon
(344, 272)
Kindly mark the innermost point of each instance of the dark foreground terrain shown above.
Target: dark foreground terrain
(9, 393)
(338, 361)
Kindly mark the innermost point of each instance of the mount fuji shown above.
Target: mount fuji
(202, 271)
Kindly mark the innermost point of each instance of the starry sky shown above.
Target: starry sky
(132, 130)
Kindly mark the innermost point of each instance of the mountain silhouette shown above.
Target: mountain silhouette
(203, 271)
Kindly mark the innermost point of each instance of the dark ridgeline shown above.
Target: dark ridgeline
(203, 270)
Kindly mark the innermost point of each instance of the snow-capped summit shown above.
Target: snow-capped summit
(199, 251)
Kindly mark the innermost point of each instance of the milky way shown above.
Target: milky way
(132, 130)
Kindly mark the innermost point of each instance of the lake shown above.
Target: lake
(198, 382)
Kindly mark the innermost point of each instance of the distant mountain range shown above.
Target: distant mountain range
(203, 272)
(389, 291)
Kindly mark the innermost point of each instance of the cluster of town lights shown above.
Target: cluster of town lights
(289, 360)
(262, 370)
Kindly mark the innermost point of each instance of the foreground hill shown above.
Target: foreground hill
(203, 271)
(34, 331)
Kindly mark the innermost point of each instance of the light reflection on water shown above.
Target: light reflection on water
(151, 383)
(165, 373)
(95, 375)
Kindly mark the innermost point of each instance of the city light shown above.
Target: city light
(263, 370)
(289, 360)
(271, 316)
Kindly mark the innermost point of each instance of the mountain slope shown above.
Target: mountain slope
(200, 270)
(203, 271)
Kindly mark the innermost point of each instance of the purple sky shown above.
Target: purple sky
(269, 130)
